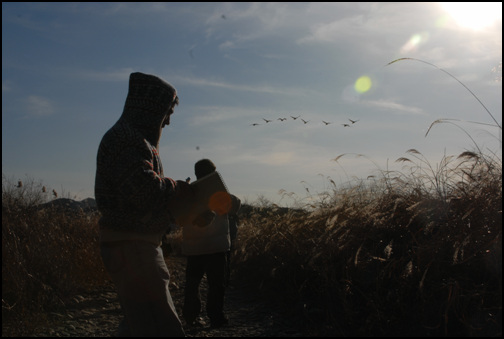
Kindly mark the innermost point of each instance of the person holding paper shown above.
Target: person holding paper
(136, 202)
(206, 249)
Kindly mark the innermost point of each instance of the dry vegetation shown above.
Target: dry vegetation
(47, 257)
(417, 252)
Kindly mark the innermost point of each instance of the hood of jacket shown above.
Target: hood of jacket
(149, 102)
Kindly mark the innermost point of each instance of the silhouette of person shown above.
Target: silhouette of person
(206, 249)
(135, 199)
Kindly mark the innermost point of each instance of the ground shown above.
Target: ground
(250, 314)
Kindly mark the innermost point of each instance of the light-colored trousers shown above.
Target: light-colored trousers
(140, 274)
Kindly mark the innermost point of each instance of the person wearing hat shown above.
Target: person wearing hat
(135, 200)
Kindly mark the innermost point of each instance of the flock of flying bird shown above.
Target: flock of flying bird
(305, 121)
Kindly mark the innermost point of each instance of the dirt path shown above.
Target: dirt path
(98, 314)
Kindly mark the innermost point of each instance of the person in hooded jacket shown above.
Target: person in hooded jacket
(206, 248)
(135, 200)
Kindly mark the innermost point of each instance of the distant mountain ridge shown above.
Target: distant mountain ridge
(87, 205)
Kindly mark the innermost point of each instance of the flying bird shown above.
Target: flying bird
(346, 125)
(295, 117)
(353, 121)
(282, 119)
(304, 121)
(254, 124)
(325, 122)
(267, 120)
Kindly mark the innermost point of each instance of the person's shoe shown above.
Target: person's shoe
(219, 323)
(196, 323)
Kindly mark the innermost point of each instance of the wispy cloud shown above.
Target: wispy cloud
(266, 89)
(278, 158)
(121, 74)
(393, 107)
(297, 155)
(204, 115)
(39, 106)
(335, 30)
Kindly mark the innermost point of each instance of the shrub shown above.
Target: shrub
(47, 256)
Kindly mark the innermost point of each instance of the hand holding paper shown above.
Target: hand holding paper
(204, 219)
(210, 194)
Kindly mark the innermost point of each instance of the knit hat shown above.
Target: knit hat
(203, 167)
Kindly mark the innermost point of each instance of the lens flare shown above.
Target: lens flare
(414, 42)
(220, 203)
(363, 84)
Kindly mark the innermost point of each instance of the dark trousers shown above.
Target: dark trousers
(214, 265)
(140, 274)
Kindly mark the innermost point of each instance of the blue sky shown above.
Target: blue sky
(65, 69)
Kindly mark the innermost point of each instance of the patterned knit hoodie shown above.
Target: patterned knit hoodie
(131, 192)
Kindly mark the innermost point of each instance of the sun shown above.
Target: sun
(474, 15)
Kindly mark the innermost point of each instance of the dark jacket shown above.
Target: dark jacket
(131, 191)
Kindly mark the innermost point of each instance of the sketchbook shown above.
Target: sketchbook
(210, 194)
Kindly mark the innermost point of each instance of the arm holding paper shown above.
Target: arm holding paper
(210, 198)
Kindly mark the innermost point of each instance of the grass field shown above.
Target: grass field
(414, 255)
(417, 252)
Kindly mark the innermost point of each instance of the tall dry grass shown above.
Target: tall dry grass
(416, 253)
(47, 257)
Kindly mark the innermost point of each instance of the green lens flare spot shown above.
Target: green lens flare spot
(363, 84)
